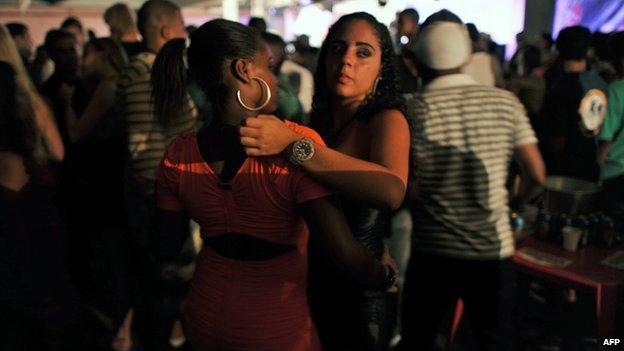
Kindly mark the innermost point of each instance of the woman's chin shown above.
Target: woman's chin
(342, 91)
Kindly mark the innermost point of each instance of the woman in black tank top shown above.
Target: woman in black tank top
(358, 110)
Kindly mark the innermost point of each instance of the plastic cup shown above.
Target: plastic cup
(571, 238)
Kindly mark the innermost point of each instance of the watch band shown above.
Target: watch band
(301, 151)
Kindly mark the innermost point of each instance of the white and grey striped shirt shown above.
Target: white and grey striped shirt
(146, 136)
(462, 141)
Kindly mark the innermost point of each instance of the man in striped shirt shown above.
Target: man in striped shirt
(463, 138)
(147, 138)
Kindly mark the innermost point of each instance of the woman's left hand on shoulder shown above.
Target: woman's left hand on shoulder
(266, 135)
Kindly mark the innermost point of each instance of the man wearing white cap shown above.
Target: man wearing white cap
(463, 138)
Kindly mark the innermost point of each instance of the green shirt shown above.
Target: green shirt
(288, 106)
(612, 131)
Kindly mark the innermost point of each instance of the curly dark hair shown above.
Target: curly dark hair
(385, 97)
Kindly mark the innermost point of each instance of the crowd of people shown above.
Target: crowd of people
(346, 196)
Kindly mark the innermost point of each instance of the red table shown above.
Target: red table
(585, 271)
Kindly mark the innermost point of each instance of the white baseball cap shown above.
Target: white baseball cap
(443, 45)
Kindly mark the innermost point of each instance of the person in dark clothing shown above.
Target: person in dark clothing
(61, 47)
(23, 40)
(305, 54)
(407, 73)
(258, 24)
(33, 62)
(407, 22)
(38, 304)
(545, 44)
(74, 26)
(98, 132)
(576, 98)
(598, 57)
(530, 88)
(288, 105)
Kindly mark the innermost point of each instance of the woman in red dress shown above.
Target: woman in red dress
(249, 288)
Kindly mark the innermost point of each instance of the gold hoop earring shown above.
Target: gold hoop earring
(266, 102)
(375, 85)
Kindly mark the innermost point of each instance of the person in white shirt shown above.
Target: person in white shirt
(483, 67)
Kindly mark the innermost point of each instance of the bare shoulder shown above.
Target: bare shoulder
(391, 118)
(181, 147)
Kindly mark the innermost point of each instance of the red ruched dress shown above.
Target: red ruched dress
(244, 305)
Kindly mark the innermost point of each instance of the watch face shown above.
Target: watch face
(303, 150)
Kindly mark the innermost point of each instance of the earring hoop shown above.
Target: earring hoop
(375, 85)
(266, 102)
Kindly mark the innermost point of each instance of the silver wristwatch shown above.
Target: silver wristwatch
(301, 151)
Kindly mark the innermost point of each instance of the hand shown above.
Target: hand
(386, 259)
(66, 92)
(266, 135)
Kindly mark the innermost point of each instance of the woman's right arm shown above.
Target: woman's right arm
(79, 129)
(330, 232)
(45, 123)
(379, 181)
